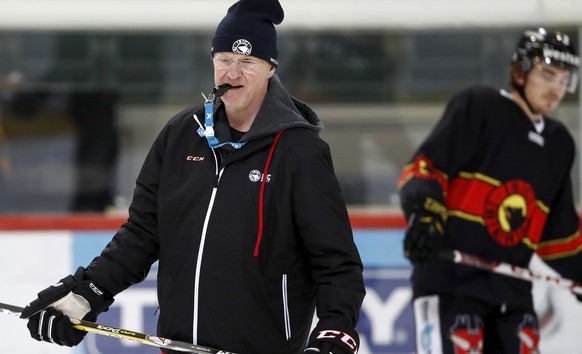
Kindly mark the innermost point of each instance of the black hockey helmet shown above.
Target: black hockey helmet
(550, 48)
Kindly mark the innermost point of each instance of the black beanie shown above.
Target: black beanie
(248, 28)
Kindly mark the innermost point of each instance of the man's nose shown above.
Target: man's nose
(234, 70)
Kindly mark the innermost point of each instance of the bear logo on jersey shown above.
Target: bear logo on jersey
(508, 210)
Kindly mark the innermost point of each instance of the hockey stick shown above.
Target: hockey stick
(509, 270)
(121, 333)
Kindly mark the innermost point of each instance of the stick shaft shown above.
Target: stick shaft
(121, 333)
(511, 270)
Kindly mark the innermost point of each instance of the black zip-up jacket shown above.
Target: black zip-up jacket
(240, 269)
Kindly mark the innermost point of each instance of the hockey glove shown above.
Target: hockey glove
(333, 341)
(73, 297)
(423, 238)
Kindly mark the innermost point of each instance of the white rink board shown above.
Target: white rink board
(29, 262)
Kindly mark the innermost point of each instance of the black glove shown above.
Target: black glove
(73, 297)
(333, 341)
(423, 238)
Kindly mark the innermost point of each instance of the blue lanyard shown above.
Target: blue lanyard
(208, 132)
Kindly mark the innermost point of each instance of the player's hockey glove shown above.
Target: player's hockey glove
(333, 341)
(73, 297)
(423, 239)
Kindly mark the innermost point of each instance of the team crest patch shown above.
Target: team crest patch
(508, 210)
(242, 46)
(255, 176)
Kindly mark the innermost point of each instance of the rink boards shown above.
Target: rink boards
(30, 261)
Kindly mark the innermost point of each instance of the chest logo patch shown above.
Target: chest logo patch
(257, 176)
(508, 210)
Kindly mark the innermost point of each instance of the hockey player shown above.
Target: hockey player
(239, 202)
(493, 179)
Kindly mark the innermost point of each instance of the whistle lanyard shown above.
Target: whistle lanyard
(208, 132)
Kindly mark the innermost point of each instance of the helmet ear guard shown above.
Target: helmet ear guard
(573, 83)
(526, 65)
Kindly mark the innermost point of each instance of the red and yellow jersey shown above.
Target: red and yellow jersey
(506, 186)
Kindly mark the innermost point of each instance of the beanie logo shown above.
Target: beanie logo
(242, 46)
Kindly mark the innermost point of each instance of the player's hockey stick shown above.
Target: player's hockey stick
(509, 270)
(121, 333)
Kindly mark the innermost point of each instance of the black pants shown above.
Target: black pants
(455, 325)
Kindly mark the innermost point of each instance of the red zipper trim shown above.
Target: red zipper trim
(262, 193)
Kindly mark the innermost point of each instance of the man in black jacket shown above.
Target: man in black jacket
(239, 202)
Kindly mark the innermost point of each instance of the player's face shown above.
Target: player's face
(248, 75)
(546, 86)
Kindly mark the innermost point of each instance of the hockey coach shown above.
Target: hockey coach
(238, 201)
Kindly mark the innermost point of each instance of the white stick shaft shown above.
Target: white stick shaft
(512, 271)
